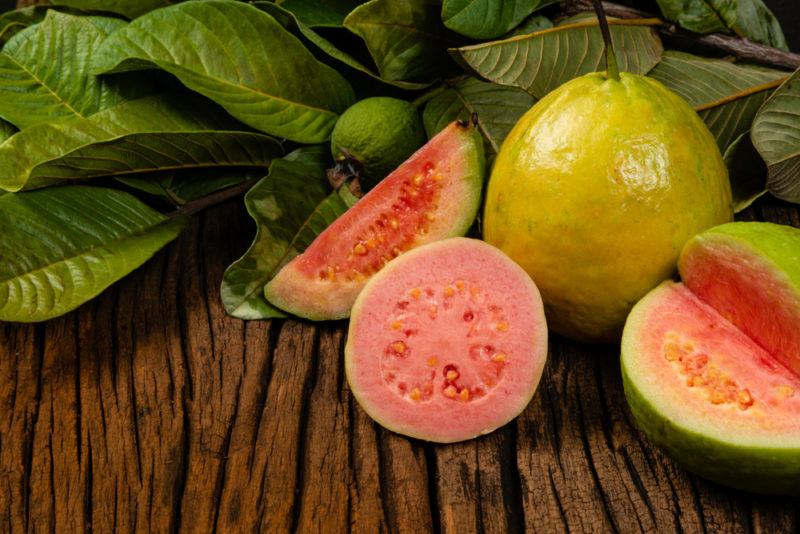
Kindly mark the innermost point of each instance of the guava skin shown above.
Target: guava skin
(594, 193)
(457, 152)
(762, 260)
(758, 469)
(771, 467)
(379, 133)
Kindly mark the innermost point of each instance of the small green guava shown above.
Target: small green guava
(376, 135)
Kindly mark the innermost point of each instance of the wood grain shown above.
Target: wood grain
(150, 410)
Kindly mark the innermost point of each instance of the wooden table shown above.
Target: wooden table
(151, 410)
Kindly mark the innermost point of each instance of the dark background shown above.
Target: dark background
(788, 13)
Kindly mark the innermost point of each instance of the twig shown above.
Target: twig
(209, 201)
(741, 48)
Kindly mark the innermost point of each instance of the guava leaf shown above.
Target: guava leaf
(533, 24)
(498, 109)
(725, 94)
(153, 133)
(747, 18)
(127, 8)
(180, 187)
(747, 172)
(776, 136)
(541, 61)
(12, 22)
(313, 13)
(291, 207)
(6, 130)
(289, 21)
(406, 39)
(486, 19)
(240, 57)
(64, 245)
(44, 71)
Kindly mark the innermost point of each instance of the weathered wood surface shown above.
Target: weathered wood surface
(149, 410)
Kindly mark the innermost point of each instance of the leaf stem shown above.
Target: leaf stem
(741, 48)
(214, 199)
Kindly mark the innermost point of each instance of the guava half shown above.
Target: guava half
(435, 194)
(711, 366)
(448, 342)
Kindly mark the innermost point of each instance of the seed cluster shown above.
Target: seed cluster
(393, 231)
(416, 375)
(701, 372)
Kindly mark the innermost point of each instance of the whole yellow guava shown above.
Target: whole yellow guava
(595, 191)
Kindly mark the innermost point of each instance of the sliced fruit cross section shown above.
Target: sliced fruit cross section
(711, 366)
(433, 195)
(447, 342)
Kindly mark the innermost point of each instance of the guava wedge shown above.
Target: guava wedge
(711, 366)
(447, 342)
(433, 195)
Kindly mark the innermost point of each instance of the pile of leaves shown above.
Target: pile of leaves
(121, 118)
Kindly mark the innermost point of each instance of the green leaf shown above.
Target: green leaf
(498, 109)
(291, 207)
(127, 8)
(727, 95)
(747, 18)
(747, 172)
(240, 57)
(406, 39)
(486, 19)
(63, 246)
(44, 71)
(290, 21)
(776, 136)
(312, 13)
(154, 133)
(6, 130)
(533, 24)
(15, 21)
(540, 62)
(180, 187)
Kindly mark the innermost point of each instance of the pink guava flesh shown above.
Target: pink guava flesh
(746, 289)
(704, 373)
(448, 342)
(433, 195)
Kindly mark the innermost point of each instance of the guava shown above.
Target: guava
(711, 366)
(595, 191)
(435, 194)
(375, 135)
(448, 342)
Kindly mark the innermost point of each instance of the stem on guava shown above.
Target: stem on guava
(612, 71)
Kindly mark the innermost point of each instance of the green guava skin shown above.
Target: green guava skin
(776, 243)
(380, 133)
(758, 469)
(775, 251)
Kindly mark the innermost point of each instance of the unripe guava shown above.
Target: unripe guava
(375, 135)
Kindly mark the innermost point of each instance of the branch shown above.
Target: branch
(739, 47)
(209, 201)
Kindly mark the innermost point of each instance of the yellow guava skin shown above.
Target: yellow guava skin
(594, 193)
